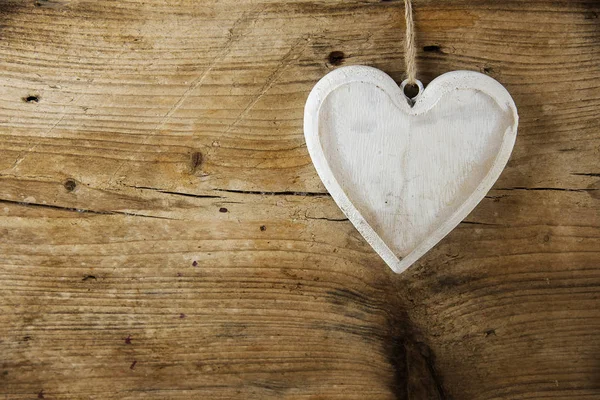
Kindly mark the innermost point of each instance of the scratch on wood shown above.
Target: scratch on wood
(293, 54)
(236, 33)
(24, 154)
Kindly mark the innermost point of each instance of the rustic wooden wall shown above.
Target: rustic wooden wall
(163, 234)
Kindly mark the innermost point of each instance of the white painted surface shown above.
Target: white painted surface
(405, 177)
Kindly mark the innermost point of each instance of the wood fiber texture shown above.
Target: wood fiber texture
(164, 235)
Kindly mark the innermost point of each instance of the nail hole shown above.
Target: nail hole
(70, 185)
(223, 210)
(336, 57)
(31, 99)
(490, 332)
(411, 90)
(263, 228)
(432, 49)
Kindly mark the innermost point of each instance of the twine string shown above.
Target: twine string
(410, 55)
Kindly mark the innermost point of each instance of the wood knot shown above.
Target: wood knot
(196, 159)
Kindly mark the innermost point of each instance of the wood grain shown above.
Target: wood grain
(164, 234)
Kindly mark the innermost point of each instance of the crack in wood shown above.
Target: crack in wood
(284, 193)
(546, 189)
(329, 219)
(592, 174)
(79, 210)
(197, 196)
(479, 223)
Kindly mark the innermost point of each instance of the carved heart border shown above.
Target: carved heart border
(448, 82)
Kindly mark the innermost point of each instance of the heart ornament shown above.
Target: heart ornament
(407, 171)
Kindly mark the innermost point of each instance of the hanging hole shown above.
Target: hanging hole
(411, 90)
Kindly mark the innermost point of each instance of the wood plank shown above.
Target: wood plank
(164, 234)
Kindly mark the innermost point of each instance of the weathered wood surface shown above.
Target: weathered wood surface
(164, 234)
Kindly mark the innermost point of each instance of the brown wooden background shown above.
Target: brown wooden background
(163, 234)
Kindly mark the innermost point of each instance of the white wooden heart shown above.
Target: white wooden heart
(406, 176)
